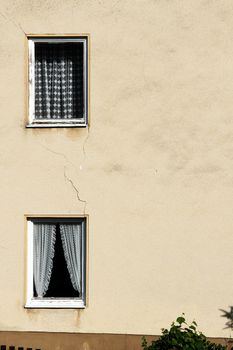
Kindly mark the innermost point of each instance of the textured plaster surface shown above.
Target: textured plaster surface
(154, 170)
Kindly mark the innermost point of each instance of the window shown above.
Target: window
(57, 82)
(56, 265)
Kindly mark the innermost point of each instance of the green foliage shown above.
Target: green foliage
(229, 316)
(181, 337)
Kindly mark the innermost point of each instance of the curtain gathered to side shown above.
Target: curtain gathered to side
(58, 81)
(71, 242)
(44, 236)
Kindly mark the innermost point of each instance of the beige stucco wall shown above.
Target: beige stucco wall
(155, 166)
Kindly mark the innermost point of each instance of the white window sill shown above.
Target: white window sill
(55, 303)
(56, 125)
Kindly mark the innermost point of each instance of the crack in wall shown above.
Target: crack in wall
(58, 154)
(85, 141)
(69, 162)
(17, 25)
(76, 191)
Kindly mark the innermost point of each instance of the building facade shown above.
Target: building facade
(148, 170)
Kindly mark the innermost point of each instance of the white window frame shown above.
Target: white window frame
(48, 303)
(51, 123)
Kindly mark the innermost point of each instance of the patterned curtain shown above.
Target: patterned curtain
(58, 80)
(44, 236)
(71, 242)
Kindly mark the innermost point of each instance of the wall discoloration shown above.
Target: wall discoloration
(114, 168)
(63, 341)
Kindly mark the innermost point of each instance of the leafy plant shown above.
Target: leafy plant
(181, 337)
(229, 316)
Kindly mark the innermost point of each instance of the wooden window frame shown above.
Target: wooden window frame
(55, 123)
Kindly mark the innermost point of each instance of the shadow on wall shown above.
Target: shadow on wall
(229, 317)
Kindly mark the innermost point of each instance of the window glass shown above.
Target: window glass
(58, 72)
(58, 80)
(56, 261)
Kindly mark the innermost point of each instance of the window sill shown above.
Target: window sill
(55, 304)
(56, 125)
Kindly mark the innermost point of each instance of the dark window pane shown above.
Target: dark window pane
(60, 285)
(59, 81)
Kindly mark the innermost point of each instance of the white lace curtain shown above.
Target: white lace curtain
(71, 242)
(44, 238)
(58, 81)
(43, 249)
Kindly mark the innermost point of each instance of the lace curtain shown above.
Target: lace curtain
(44, 237)
(58, 81)
(71, 242)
